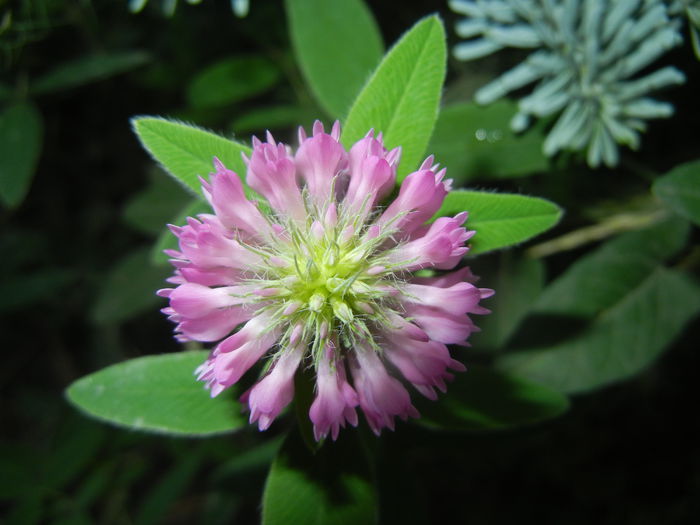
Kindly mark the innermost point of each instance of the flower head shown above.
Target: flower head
(586, 58)
(324, 280)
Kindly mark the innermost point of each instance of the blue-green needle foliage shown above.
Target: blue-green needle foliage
(586, 63)
(691, 10)
(239, 7)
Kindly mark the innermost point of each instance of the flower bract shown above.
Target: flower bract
(321, 275)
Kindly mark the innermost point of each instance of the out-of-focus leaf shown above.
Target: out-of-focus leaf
(222, 506)
(501, 219)
(129, 289)
(256, 458)
(474, 141)
(5, 91)
(332, 487)
(150, 210)
(76, 517)
(88, 69)
(402, 96)
(22, 247)
(680, 189)
(230, 80)
(485, 399)
(518, 281)
(623, 340)
(75, 446)
(21, 129)
(23, 289)
(186, 151)
(337, 45)
(28, 510)
(166, 239)
(168, 489)
(157, 393)
(94, 485)
(18, 464)
(273, 117)
(603, 277)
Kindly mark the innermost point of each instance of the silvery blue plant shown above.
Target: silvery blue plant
(589, 66)
(239, 7)
(691, 10)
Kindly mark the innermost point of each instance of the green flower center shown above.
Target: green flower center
(328, 282)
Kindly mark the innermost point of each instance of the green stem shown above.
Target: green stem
(607, 228)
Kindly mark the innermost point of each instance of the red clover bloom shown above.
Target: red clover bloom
(323, 278)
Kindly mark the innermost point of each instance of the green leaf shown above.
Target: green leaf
(129, 289)
(486, 399)
(325, 34)
(149, 210)
(166, 239)
(186, 151)
(501, 219)
(88, 69)
(157, 393)
(680, 189)
(603, 277)
(231, 80)
(21, 129)
(331, 487)
(402, 97)
(624, 339)
(474, 141)
(518, 282)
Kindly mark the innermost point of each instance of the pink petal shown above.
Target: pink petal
(441, 325)
(226, 196)
(271, 172)
(335, 399)
(381, 396)
(459, 298)
(448, 279)
(230, 366)
(216, 325)
(420, 196)
(319, 160)
(275, 391)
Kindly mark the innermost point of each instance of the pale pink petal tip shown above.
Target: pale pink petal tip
(275, 391)
(335, 399)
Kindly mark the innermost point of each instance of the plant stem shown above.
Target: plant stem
(611, 226)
